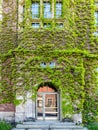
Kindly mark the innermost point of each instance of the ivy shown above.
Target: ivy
(73, 49)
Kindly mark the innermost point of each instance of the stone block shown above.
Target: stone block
(17, 129)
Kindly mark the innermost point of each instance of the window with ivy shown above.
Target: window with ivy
(47, 10)
(46, 25)
(96, 18)
(35, 25)
(35, 10)
(58, 9)
(59, 25)
(43, 10)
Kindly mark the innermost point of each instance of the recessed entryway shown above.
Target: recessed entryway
(47, 103)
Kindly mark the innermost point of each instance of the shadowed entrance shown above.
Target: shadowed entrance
(47, 103)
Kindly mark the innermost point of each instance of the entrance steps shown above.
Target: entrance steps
(45, 125)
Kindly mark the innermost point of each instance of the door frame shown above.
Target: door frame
(43, 104)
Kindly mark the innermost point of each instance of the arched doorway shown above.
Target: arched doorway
(47, 104)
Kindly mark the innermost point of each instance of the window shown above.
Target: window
(96, 33)
(59, 25)
(35, 10)
(52, 64)
(58, 10)
(47, 10)
(47, 25)
(43, 65)
(96, 18)
(49, 102)
(42, 11)
(39, 103)
(35, 25)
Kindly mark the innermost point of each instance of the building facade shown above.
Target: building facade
(49, 60)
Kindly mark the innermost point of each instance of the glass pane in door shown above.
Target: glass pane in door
(40, 105)
(51, 105)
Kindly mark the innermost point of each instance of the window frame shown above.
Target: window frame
(49, 4)
(38, 9)
(60, 15)
(50, 102)
(36, 24)
(52, 19)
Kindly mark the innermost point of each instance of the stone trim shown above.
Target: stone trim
(8, 116)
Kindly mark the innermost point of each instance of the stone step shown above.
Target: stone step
(47, 126)
(49, 123)
(47, 129)
(17, 129)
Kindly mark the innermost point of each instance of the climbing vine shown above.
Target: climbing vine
(73, 48)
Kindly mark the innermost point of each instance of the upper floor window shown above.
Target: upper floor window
(47, 10)
(35, 25)
(35, 10)
(58, 10)
(47, 25)
(59, 25)
(96, 18)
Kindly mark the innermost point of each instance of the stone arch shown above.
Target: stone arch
(50, 85)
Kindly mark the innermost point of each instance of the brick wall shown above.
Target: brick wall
(7, 108)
